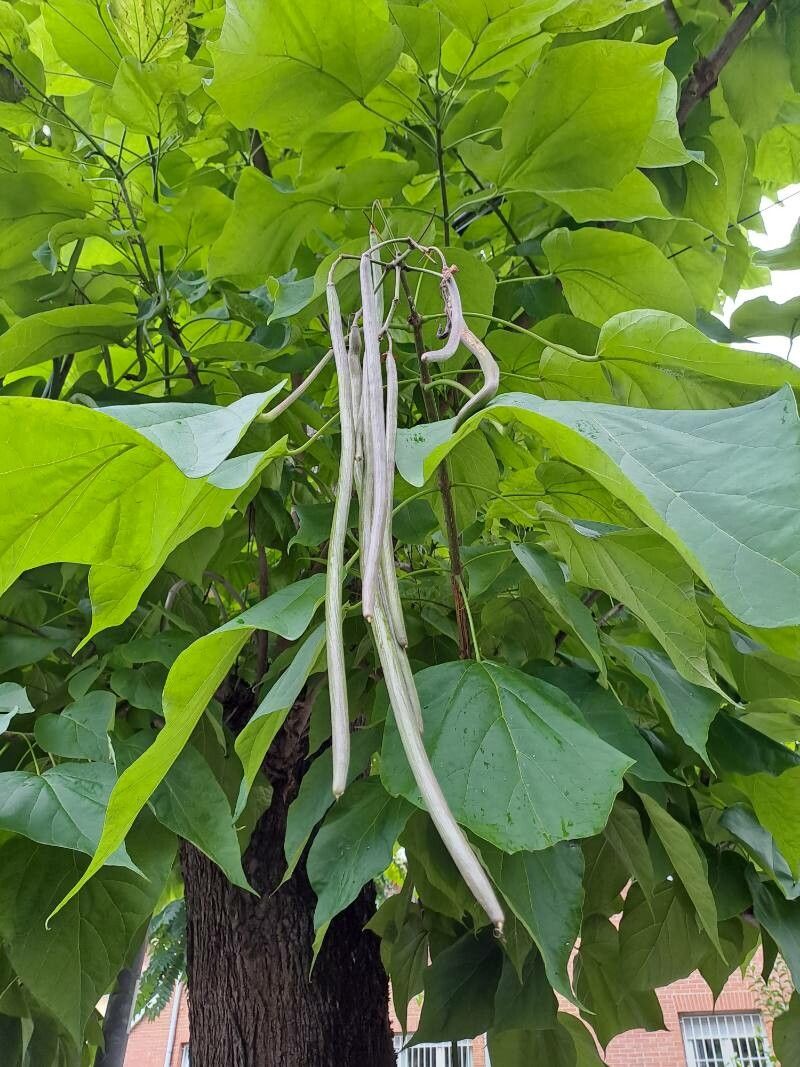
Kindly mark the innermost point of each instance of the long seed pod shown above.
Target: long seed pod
(388, 576)
(455, 317)
(357, 393)
(450, 832)
(375, 246)
(375, 441)
(337, 676)
(491, 375)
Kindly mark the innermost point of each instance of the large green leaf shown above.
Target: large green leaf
(605, 272)
(545, 891)
(191, 683)
(64, 806)
(68, 968)
(655, 337)
(648, 576)
(284, 72)
(262, 726)
(353, 845)
(481, 719)
(581, 120)
(196, 437)
(62, 331)
(91, 490)
(711, 483)
(633, 197)
(786, 1032)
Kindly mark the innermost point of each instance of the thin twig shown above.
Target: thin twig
(707, 69)
(465, 649)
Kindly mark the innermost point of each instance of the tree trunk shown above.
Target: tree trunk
(118, 1013)
(252, 1002)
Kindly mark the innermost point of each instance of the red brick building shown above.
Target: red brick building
(734, 1032)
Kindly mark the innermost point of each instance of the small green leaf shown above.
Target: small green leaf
(549, 580)
(545, 891)
(688, 863)
(315, 796)
(353, 845)
(459, 989)
(80, 731)
(780, 919)
(648, 576)
(259, 732)
(690, 709)
(13, 701)
(659, 938)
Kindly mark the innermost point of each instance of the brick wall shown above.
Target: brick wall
(148, 1040)
(689, 996)
(147, 1043)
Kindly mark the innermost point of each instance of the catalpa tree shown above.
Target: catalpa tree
(381, 492)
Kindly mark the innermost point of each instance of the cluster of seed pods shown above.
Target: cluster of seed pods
(368, 421)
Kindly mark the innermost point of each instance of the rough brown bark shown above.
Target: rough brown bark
(252, 1001)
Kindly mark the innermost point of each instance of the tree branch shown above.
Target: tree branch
(465, 649)
(672, 16)
(707, 69)
(258, 156)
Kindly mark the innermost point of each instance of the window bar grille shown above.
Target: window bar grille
(725, 1040)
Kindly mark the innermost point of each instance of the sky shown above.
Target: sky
(779, 220)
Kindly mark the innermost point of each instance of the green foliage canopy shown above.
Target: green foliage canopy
(599, 570)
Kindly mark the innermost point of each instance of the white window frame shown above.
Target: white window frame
(431, 1055)
(724, 1034)
(186, 1056)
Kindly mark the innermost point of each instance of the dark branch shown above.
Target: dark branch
(673, 18)
(258, 157)
(707, 69)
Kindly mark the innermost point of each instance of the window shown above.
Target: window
(185, 1057)
(725, 1041)
(432, 1055)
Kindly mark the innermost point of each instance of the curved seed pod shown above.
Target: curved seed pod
(375, 247)
(337, 676)
(375, 441)
(491, 375)
(389, 578)
(354, 360)
(450, 832)
(455, 316)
